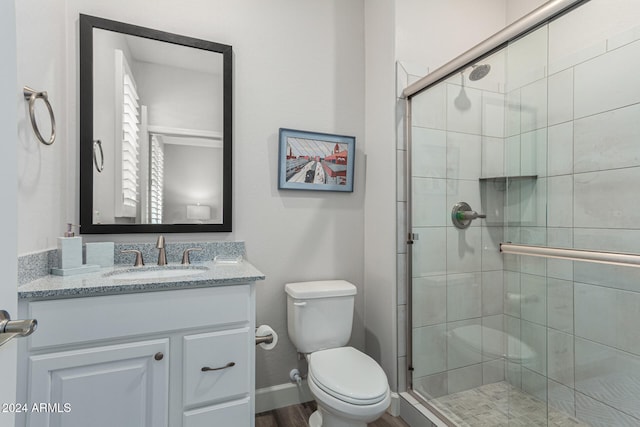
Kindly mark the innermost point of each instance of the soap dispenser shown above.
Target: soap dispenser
(70, 249)
(70, 254)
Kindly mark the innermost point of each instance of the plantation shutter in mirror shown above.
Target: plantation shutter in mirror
(157, 179)
(127, 181)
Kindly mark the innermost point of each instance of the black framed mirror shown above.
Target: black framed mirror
(155, 131)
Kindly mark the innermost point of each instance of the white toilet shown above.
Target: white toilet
(350, 388)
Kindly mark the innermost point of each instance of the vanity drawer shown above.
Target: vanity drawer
(82, 320)
(226, 355)
(231, 414)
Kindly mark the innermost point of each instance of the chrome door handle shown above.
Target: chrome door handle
(15, 328)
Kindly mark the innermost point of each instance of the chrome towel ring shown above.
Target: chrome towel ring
(31, 96)
(99, 166)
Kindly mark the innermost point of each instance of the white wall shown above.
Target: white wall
(430, 33)
(433, 32)
(516, 9)
(180, 98)
(10, 99)
(300, 65)
(45, 198)
(189, 174)
(379, 239)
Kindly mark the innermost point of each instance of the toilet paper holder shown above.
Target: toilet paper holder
(265, 339)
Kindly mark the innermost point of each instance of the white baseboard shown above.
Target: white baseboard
(281, 395)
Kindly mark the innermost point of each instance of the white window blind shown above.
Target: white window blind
(130, 142)
(157, 179)
(127, 140)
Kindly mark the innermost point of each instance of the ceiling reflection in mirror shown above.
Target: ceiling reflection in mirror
(160, 137)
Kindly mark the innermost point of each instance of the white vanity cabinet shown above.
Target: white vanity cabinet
(151, 359)
(125, 382)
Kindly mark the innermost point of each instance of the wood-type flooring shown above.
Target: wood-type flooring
(297, 416)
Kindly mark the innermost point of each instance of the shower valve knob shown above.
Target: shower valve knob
(462, 215)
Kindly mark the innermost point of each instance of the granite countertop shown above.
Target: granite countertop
(107, 282)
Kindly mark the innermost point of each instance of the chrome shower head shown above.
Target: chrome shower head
(479, 71)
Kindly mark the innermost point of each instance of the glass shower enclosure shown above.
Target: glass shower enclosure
(540, 139)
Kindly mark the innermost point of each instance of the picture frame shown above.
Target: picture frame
(315, 161)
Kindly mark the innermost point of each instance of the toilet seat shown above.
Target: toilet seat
(348, 375)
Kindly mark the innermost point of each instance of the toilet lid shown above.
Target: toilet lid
(349, 375)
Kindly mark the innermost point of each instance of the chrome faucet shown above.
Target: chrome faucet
(139, 261)
(185, 255)
(162, 255)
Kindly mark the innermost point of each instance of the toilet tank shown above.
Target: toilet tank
(319, 314)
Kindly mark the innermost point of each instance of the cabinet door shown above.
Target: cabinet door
(118, 385)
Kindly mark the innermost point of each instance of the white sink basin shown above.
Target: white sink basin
(157, 273)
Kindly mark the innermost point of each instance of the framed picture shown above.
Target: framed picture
(315, 161)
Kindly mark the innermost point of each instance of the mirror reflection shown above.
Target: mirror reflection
(160, 134)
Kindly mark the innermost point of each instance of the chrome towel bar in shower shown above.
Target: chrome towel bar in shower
(31, 95)
(601, 257)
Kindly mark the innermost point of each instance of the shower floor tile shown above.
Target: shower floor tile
(500, 405)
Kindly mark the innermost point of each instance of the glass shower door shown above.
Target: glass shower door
(457, 291)
(577, 102)
(546, 146)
